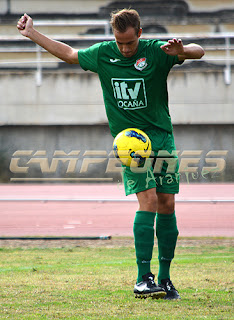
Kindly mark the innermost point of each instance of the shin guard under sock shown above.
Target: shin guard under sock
(167, 233)
(143, 230)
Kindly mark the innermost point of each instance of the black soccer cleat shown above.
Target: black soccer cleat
(148, 288)
(172, 293)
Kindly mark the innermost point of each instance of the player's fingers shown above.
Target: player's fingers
(23, 21)
(164, 47)
(20, 24)
(26, 17)
(173, 41)
(20, 20)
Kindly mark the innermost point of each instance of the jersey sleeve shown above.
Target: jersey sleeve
(166, 59)
(88, 58)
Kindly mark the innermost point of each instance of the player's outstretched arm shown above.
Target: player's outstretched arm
(58, 49)
(190, 51)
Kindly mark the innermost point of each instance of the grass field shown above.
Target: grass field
(97, 283)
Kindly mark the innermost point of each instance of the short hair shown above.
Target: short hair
(123, 19)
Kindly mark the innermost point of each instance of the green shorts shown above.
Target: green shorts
(160, 172)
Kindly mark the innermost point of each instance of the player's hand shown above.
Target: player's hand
(173, 47)
(25, 25)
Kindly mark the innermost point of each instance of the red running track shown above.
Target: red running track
(101, 217)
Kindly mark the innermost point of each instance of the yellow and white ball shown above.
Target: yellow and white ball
(132, 146)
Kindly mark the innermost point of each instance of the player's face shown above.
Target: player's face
(127, 41)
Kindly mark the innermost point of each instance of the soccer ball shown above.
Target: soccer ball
(132, 146)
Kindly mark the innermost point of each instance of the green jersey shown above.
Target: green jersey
(134, 89)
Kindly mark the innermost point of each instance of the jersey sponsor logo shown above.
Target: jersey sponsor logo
(140, 64)
(130, 94)
(114, 60)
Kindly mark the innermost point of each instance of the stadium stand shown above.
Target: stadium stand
(165, 17)
(79, 24)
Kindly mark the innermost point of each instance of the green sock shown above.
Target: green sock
(167, 233)
(143, 230)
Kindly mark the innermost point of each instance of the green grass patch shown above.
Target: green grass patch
(97, 283)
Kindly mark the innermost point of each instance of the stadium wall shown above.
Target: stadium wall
(196, 96)
(28, 152)
(66, 113)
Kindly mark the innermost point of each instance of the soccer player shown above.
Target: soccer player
(133, 74)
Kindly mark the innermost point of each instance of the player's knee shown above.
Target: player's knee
(148, 201)
(151, 203)
(166, 204)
